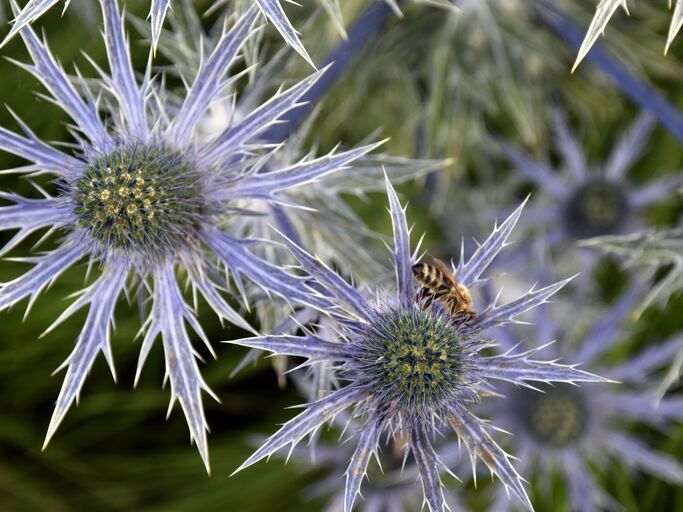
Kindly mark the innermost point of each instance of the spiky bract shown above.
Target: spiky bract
(391, 481)
(604, 11)
(650, 252)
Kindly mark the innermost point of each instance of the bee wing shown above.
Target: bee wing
(446, 271)
(462, 298)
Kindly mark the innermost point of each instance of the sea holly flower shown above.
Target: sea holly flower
(409, 369)
(569, 430)
(587, 200)
(142, 195)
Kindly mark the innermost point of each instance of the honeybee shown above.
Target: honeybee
(440, 284)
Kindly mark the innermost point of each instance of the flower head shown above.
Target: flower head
(593, 201)
(143, 194)
(567, 429)
(140, 200)
(408, 367)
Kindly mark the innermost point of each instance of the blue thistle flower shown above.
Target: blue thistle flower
(589, 201)
(568, 429)
(409, 368)
(143, 194)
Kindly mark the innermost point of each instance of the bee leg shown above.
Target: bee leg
(439, 294)
(427, 300)
(466, 318)
(424, 298)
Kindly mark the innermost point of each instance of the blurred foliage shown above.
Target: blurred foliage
(430, 83)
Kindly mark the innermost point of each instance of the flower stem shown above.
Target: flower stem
(359, 35)
(642, 94)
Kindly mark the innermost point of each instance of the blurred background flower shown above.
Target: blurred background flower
(574, 433)
(575, 199)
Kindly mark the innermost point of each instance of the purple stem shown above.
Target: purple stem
(362, 31)
(638, 90)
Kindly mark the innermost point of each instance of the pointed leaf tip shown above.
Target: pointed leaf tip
(274, 12)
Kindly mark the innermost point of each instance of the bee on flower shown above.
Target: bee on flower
(409, 371)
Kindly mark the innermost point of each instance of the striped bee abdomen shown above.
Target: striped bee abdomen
(428, 275)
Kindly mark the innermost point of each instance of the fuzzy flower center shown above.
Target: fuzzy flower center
(599, 207)
(557, 417)
(413, 358)
(139, 199)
